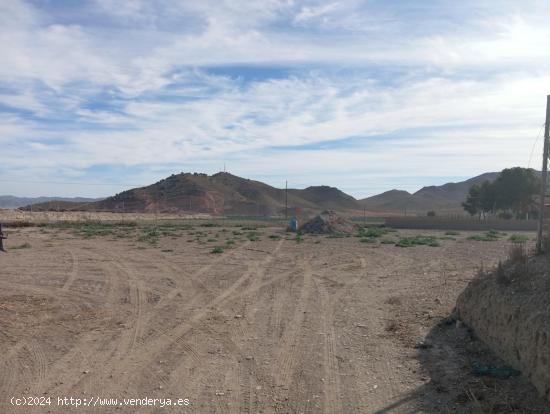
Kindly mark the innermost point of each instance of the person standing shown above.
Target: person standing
(2, 237)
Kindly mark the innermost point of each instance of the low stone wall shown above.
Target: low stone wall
(513, 319)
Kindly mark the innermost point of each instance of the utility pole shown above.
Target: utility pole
(540, 247)
(286, 200)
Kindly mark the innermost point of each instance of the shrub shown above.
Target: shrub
(418, 241)
(217, 250)
(253, 236)
(368, 240)
(518, 238)
(491, 235)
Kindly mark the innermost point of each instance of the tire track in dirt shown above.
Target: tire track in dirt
(168, 300)
(332, 386)
(39, 363)
(289, 351)
(172, 341)
(10, 372)
(74, 271)
(91, 349)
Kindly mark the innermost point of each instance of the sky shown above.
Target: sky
(99, 96)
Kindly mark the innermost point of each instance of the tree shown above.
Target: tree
(472, 203)
(511, 194)
(487, 197)
(514, 190)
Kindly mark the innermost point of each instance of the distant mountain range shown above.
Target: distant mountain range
(224, 193)
(444, 198)
(8, 201)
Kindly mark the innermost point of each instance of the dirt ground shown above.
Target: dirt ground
(270, 325)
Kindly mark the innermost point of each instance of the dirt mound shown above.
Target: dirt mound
(328, 222)
(509, 310)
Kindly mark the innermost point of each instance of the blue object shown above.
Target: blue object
(293, 224)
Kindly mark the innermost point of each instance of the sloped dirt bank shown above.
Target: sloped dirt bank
(509, 310)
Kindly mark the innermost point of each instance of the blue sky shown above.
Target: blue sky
(98, 96)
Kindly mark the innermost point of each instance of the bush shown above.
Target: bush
(491, 235)
(368, 240)
(518, 238)
(217, 250)
(418, 241)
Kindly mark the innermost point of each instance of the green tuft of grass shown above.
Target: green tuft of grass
(217, 250)
(253, 236)
(369, 240)
(417, 241)
(491, 235)
(518, 238)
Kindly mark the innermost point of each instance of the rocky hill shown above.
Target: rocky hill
(221, 193)
(224, 193)
(444, 198)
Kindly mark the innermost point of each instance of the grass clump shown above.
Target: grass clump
(275, 237)
(491, 235)
(452, 233)
(253, 236)
(374, 232)
(417, 241)
(518, 238)
(369, 240)
(150, 235)
(217, 250)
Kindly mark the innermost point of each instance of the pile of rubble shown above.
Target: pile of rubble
(328, 222)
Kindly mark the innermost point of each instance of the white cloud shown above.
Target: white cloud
(114, 97)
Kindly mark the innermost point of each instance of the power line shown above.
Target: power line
(534, 145)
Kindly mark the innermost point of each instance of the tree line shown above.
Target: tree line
(511, 195)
